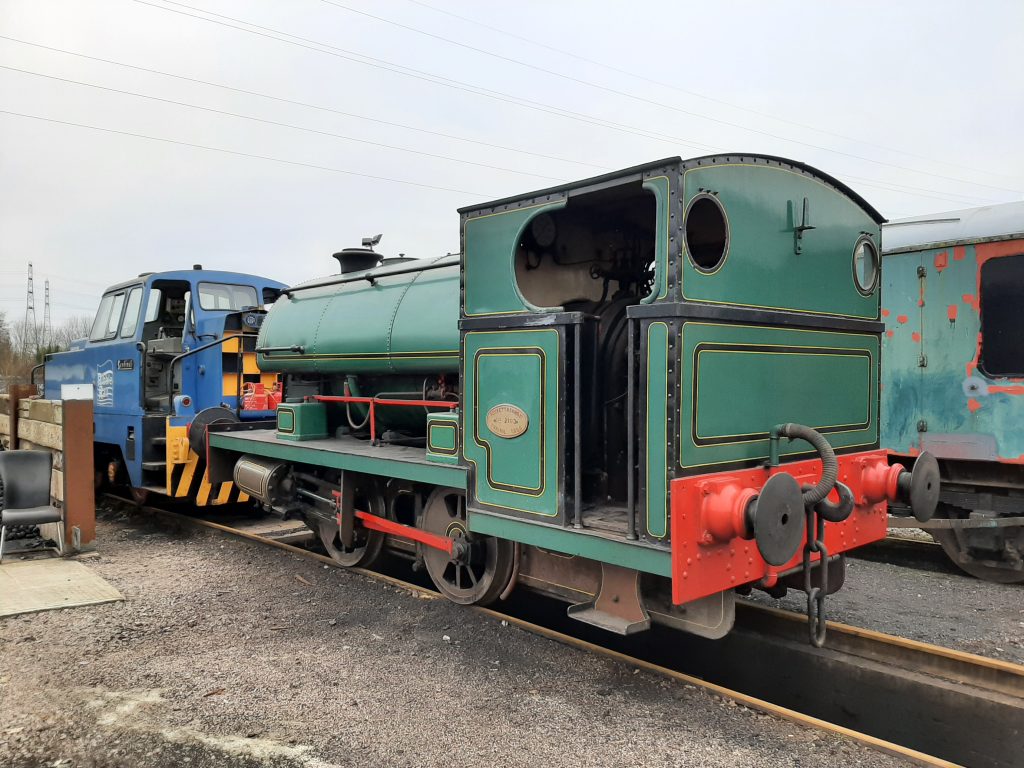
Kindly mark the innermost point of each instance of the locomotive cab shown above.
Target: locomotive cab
(163, 348)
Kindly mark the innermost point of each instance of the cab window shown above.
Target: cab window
(156, 301)
(108, 317)
(99, 325)
(131, 313)
(1002, 295)
(227, 296)
(115, 316)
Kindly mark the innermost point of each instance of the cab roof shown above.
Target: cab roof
(190, 275)
(969, 225)
(706, 160)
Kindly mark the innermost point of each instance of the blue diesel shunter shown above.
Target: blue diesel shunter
(168, 354)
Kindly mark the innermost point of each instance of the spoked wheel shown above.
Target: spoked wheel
(479, 569)
(366, 544)
(955, 547)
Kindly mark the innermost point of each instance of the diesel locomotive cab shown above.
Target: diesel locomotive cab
(167, 350)
(642, 393)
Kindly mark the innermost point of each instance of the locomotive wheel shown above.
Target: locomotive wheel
(954, 551)
(367, 544)
(483, 570)
(140, 496)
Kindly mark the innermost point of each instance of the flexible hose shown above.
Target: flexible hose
(829, 463)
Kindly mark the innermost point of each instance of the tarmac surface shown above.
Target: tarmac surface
(227, 653)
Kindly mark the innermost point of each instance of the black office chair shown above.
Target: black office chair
(25, 491)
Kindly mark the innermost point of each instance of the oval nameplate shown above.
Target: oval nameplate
(507, 420)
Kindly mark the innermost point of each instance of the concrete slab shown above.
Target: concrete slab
(29, 586)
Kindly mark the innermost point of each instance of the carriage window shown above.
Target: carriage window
(131, 313)
(225, 296)
(1002, 295)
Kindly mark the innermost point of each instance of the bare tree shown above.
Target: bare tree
(73, 328)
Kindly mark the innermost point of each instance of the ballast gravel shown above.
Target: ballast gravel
(230, 654)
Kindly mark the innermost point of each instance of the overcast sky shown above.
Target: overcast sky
(919, 106)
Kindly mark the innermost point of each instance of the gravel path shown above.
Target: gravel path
(230, 654)
(948, 609)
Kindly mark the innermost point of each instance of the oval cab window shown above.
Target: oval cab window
(865, 265)
(707, 232)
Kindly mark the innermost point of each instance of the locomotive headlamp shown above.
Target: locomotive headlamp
(865, 265)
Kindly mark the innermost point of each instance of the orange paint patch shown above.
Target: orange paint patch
(973, 405)
(916, 337)
(959, 252)
(902, 318)
(952, 311)
(885, 313)
(941, 261)
(971, 300)
(889, 334)
(1013, 389)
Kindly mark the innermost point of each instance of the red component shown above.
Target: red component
(709, 553)
(879, 482)
(375, 523)
(274, 396)
(254, 397)
(725, 512)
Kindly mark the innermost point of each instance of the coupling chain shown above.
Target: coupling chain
(816, 622)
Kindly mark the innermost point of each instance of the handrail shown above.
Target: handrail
(370, 278)
(32, 376)
(179, 357)
(373, 402)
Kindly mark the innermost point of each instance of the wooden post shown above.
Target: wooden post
(79, 476)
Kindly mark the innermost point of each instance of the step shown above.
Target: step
(154, 466)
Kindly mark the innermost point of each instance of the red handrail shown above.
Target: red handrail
(375, 401)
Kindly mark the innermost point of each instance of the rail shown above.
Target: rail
(931, 705)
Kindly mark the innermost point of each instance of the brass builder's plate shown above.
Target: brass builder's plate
(506, 420)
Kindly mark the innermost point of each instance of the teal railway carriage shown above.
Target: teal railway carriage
(640, 393)
(954, 375)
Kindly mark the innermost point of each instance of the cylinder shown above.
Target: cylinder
(264, 479)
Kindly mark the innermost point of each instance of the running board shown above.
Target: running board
(619, 605)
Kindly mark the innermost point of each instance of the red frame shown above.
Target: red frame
(709, 557)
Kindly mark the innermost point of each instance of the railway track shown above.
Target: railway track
(907, 552)
(933, 706)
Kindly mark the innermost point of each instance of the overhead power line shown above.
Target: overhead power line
(427, 77)
(899, 188)
(401, 69)
(698, 94)
(242, 154)
(641, 99)
(893, 188)
(279, 124)
(308, 105)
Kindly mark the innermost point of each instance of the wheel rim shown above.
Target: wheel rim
(954, 551)
(483, 569)
(367, 544)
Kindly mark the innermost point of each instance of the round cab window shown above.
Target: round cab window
(707, 232)
(865, 266)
